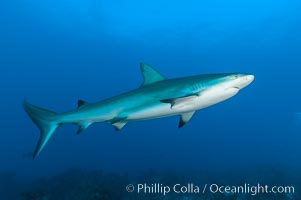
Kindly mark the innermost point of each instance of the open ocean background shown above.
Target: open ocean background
(54, 52)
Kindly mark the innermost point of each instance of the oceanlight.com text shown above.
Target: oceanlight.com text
(190, 188)
(250, 189)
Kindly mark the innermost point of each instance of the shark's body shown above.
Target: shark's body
(157, 97)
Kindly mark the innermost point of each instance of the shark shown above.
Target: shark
(157, 97)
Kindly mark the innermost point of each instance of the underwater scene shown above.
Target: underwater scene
(126, 100)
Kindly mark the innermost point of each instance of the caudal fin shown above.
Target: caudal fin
(45, 120)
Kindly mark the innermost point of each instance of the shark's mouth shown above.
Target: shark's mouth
(233, 88)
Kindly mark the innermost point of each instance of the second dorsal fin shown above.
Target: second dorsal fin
(150, 75)
(81, 103)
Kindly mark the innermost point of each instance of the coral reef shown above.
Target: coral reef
(78, 184)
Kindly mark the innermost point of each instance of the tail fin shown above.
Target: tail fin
(45, 120)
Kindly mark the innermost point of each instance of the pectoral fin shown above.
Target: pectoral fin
(184, 118)
(174, 101)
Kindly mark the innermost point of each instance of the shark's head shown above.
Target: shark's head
(224, 81)
(236, 81)
(219, 87)
(231, 84)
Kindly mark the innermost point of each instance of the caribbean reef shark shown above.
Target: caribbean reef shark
(157, 97)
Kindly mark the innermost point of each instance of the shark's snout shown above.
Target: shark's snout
(243, 81)
(248, 79)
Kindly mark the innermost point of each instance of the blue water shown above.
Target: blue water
(53, 53)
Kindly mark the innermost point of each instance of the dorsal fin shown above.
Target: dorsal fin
(81, 103)
(150, 75)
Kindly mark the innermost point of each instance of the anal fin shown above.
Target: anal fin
(83, 126)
